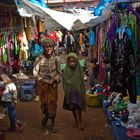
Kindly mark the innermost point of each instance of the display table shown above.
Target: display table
(119, 132)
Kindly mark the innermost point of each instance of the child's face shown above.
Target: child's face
(72, 62)
(48, 49)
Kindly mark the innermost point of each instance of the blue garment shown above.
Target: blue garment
(131, 37)
(11, 113)
(92, 38)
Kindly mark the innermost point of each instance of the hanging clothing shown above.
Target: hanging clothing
(122, 65)
(112, 31)
(81, 39)
(69, 40)
(53, 36)
(92, 38)
(101, 65)
(41, 26)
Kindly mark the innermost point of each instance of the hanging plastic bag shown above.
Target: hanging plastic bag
(37, 50)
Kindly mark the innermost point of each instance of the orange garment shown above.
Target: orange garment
(92, 51)
(81, 38)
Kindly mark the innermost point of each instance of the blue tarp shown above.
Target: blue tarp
(39, 2)
(100, 7)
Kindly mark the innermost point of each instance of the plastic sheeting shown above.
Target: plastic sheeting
(39, 2)
(68, 21)
(55, 19)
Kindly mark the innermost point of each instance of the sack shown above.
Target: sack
(105, 52)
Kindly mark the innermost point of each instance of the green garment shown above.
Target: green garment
(132, 22)
(16, 44)
(73, 79)
(4, 50)
(120, 105)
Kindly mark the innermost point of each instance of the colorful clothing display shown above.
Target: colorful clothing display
(122, 64)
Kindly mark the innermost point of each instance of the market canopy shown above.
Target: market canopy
(68, 21)
(56, 19)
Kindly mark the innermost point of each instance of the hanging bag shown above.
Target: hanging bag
(37, 49)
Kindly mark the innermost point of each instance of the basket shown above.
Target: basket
(93, 100)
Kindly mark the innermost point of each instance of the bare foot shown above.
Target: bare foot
(46, 132)
(81, 127)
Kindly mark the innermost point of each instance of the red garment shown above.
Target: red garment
(47, 36)
(133, 133)
(53, 36)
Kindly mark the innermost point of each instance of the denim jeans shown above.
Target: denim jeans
(11, 108)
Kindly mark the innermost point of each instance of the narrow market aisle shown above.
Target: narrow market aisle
(94, 122)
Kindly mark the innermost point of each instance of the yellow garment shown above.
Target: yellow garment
(29, 33)
(24, 47)
(29, 29)
(23, 55)
(41, 26)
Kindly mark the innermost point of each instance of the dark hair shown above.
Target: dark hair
(41, 33)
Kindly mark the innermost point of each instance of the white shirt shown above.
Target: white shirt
(10, 93)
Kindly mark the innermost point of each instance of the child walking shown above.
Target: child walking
(48, 73)
(74, 89)
(8, 101)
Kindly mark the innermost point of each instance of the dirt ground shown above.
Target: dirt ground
(30, 112)
(93, 120)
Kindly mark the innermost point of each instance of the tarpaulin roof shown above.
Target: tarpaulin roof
(68, 21)
(28, 8)
(55, 19)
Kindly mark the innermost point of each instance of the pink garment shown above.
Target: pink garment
(101, 66)
(133, 133)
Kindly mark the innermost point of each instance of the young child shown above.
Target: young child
(74, 88)
(93, 73)
(9, 100)
(48, 74)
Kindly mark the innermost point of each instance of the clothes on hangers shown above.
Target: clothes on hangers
(123, 66)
